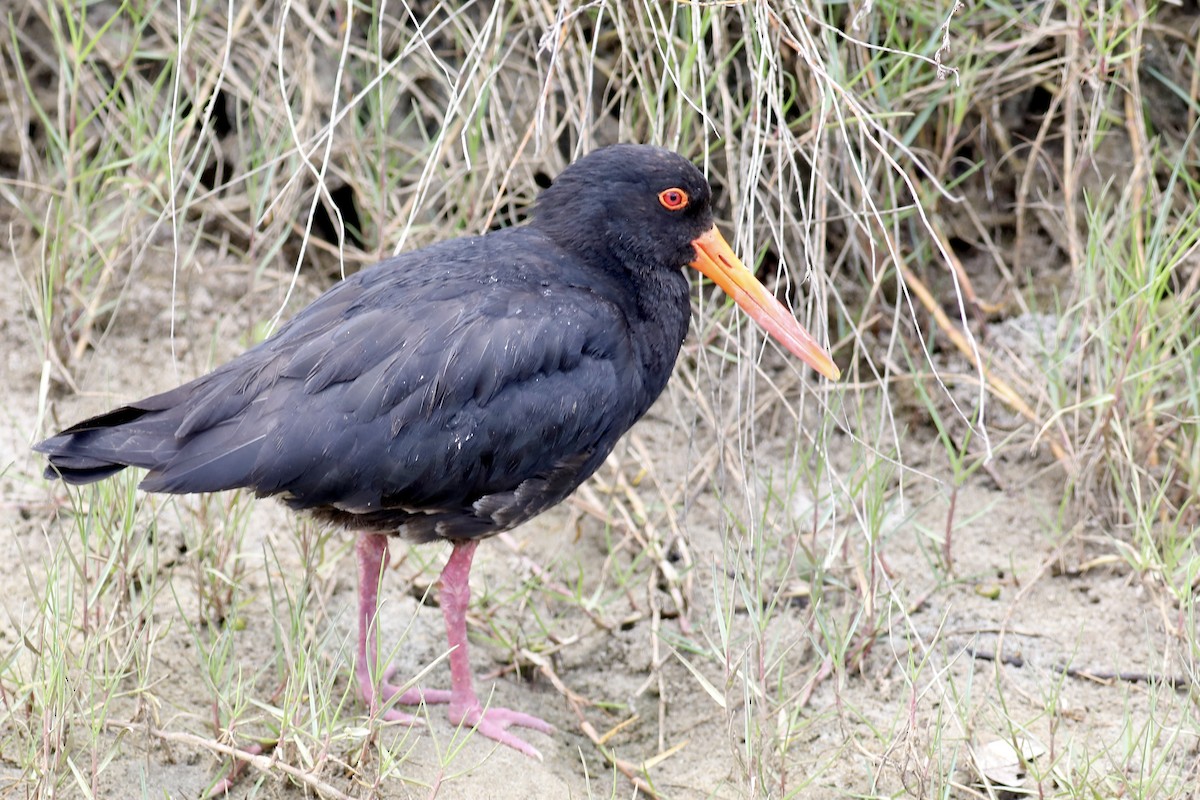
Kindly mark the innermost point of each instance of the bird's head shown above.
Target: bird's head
(644, 205)
(644, 208)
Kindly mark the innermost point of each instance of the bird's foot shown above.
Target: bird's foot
(385, 693)
(491, 722)
(494, 722)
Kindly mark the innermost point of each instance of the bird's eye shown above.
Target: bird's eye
(673, 199)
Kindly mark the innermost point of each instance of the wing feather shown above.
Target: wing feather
(415, 391)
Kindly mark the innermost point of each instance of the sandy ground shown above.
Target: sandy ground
(901, 719)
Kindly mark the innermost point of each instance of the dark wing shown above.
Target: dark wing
(417, 393)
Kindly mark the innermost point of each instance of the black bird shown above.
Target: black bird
(455, 391)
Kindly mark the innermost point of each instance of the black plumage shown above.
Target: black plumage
(451, 392)
(455, 391)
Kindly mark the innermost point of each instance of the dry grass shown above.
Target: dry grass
(990, 209)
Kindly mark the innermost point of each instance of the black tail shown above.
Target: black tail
(191, 438)
(105, 445)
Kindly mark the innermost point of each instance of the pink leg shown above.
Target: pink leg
(465, 708)
(372, 552)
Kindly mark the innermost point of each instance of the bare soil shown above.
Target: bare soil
(944, 665)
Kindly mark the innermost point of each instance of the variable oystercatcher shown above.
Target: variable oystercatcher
(455, 391)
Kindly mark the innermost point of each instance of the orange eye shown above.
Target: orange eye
(673, 199)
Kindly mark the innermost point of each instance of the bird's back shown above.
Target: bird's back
(424, 393)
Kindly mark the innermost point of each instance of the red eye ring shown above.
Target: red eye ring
(673, 199)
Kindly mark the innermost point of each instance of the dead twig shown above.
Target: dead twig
(578, 702)
(1177, 682)
(251, 756)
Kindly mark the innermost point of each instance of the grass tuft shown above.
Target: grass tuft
(774, 588)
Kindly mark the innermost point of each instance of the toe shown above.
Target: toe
(495, 722)
(396, 715)
(416, 696)
(506, 717)
(498, 733)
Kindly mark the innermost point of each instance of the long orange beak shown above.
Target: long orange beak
(716, 259)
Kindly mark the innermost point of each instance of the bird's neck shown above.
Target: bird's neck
(654, 298)
(663, 312)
